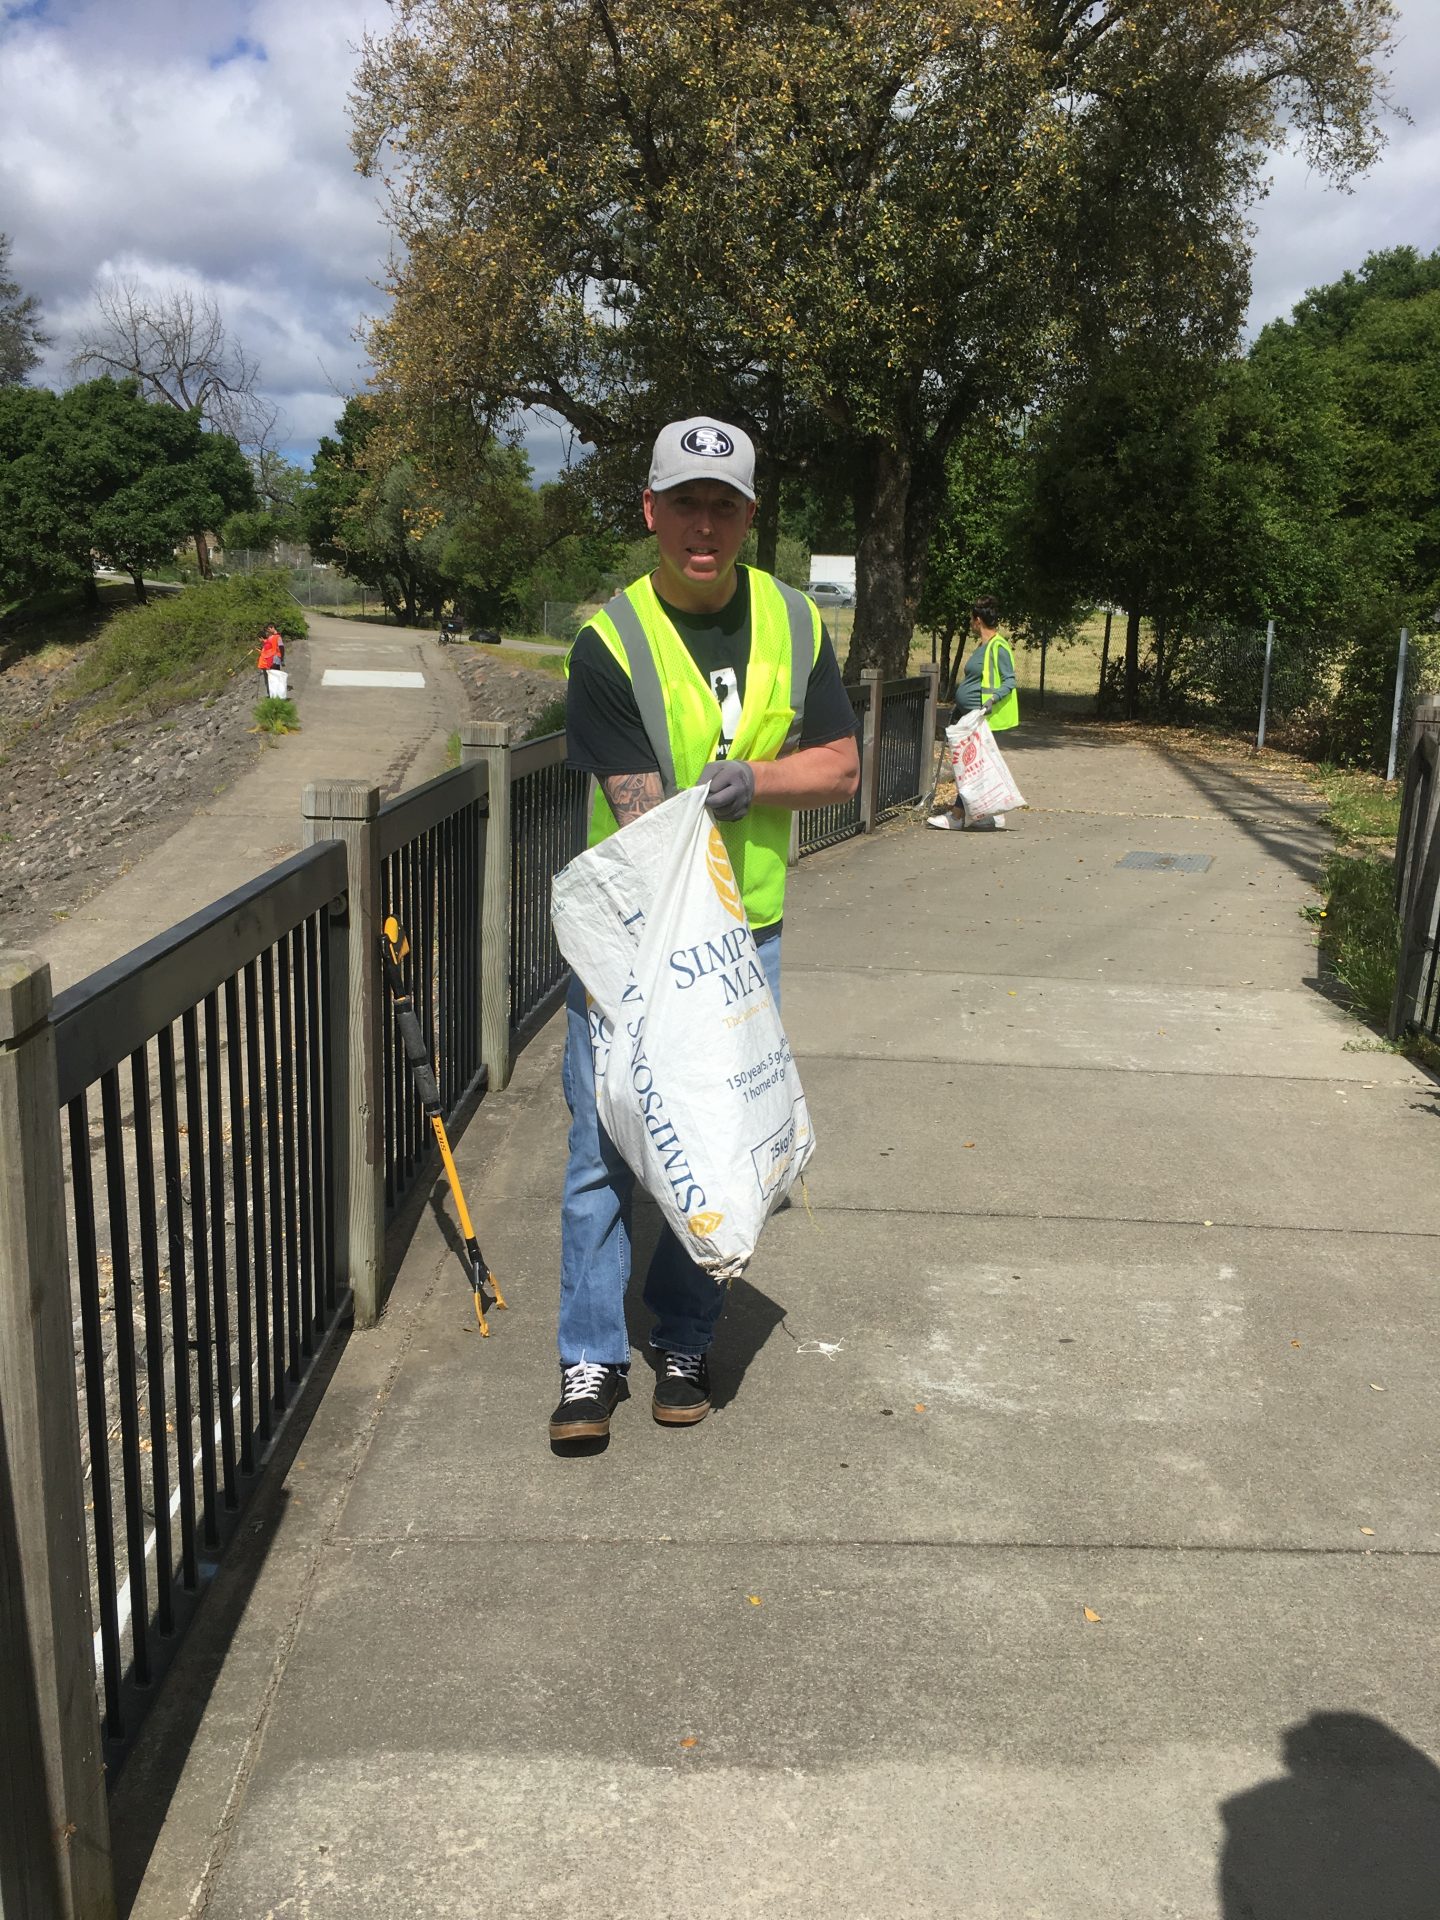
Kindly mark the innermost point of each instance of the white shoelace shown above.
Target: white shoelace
(683, 1366)
(583, 1381)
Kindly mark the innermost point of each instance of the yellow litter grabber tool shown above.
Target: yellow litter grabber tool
(394, 947)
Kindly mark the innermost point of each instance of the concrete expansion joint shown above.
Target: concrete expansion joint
(878, 1543)
(1137, 1220)
(1085, 1066)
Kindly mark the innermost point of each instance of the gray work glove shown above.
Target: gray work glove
(732, 788)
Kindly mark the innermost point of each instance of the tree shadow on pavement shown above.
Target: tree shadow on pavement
(1350, 1832)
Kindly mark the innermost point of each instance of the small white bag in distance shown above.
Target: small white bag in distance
(694, 1079)
(982, 780)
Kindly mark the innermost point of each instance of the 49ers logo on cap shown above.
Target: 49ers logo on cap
(709, 441)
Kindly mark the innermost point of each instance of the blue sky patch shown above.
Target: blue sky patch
(240, 48)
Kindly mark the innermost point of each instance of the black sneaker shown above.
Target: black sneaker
(682, 1391)
(588, 1396)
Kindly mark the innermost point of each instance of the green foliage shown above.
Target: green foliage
(1358, 718)
(255, 531)
(187, 643)
(855, 230)
(1364, 356)
(20, 335)
(1361, 806)
(99, 471)
(550, 719)
(1359, 932)
(276, 716)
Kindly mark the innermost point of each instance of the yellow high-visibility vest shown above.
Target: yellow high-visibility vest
(1007, 713)
(681, 715)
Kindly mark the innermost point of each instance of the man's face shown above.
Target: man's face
(699, 527)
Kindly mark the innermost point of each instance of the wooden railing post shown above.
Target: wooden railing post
(349, 810)
(931, 671)
(870, 749)
(54, 1821)
(1425, 719)
(489, 741)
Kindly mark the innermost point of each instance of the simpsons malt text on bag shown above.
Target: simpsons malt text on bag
(693, 1076)
(982, 780)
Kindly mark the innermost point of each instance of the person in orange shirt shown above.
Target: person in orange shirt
(272, 654)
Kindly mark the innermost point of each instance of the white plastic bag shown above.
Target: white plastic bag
(982, 780)
(694, 1081)
(277, 683)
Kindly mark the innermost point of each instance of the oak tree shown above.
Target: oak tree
(855, 229)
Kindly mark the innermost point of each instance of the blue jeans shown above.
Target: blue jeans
(595, 1226)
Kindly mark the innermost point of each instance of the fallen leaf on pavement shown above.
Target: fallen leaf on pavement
(1369, 1530)
(691, 1741)
(753, 1598)
(1091, 1615)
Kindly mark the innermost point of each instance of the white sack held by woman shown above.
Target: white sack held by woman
(694, 1081)
(982, 780)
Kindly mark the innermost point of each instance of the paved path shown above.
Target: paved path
(395, 737)
(1063, 1543)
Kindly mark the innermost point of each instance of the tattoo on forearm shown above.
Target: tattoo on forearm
(631, 794)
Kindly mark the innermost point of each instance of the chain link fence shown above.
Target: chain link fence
(1318, 691)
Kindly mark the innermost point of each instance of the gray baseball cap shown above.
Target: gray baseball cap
(703, 449)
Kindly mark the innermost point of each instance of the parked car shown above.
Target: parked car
(831, 593)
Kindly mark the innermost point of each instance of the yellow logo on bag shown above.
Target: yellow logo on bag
(702, 1225)
(723, 875)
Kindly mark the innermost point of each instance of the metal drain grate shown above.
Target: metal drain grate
(1167, 862)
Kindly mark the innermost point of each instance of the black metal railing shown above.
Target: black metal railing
(903, 750)
(821, 827)
(549, 805)
(432, 855)
(1416, 1005)
(198, 1081)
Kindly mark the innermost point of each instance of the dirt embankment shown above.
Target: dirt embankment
(80, 803)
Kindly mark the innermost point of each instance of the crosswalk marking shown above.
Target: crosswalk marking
(369, 677)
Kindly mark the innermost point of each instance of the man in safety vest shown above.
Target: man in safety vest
(702, 671)
(986, 683)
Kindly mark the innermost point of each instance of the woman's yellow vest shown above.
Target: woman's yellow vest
(1007, 712)
(681, 715)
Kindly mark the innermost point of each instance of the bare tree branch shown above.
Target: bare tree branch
(175, 343)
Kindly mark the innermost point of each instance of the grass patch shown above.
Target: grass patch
(452, 749)
(182, 647)
(1359, 933)
(1362, 808)
(276, 716)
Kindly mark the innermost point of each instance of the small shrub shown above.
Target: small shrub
(1359, 932)
(550, 719)
(276, 716)
(185, 645)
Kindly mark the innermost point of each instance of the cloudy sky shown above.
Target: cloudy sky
(204, 142)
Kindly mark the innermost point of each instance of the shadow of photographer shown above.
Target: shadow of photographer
(1350, 1832)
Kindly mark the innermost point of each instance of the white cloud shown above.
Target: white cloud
(203, 146)
(1309, 233)
(209, 144)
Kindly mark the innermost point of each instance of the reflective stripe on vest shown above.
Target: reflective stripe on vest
(681, 717)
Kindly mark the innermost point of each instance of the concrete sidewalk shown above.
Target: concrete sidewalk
(1063, 1541)
(394, 736)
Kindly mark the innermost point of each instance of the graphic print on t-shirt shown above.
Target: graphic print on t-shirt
(725, 685)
